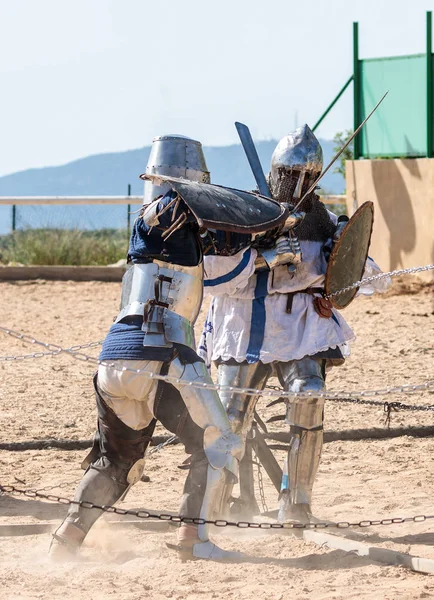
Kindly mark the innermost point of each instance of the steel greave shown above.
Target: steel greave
(306, 430)
(240, 410)
(96, 487)
(215, 485)
(303, 461)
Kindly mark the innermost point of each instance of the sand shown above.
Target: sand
(369, 479)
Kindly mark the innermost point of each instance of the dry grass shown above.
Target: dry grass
(63, 247)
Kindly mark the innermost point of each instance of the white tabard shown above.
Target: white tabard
(247, 319)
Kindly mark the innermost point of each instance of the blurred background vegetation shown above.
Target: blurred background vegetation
(63, 247)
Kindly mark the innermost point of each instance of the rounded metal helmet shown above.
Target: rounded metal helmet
(297, 160)
(177, 156)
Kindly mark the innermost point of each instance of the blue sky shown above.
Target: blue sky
(81, 77)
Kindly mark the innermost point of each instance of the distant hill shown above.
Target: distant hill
(109, 174)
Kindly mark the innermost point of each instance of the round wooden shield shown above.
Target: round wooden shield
(348, 257)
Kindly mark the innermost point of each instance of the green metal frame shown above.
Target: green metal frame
(357, 104)
(356, 91)
(429, 88)
(330, 106)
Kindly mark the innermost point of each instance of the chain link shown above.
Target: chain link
(388, 407)
(294, 396)
(163, 444)
(381, 276)
(143, 514)
(55, 352)
(257, 462)
(55, 349)
(342, 397)
(62, 485)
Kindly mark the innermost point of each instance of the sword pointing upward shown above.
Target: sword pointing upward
(315, 183)
(253, 158)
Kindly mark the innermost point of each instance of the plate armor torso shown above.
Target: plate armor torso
(168, 297)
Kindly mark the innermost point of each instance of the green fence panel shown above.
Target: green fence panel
(398, 128)
(431, 121)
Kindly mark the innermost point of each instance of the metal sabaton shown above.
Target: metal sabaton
(33, 200)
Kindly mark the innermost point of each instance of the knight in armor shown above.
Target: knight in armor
(268, 317)
(161, 298)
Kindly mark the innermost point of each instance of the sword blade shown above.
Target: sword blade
(334, 159)
(253, 158)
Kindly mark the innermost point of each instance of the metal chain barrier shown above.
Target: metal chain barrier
(381, 276)
(143, 514)
(62, 485)
(163, 444)
(57, 350)
(343, 396)
(388, 407)
(257, 462)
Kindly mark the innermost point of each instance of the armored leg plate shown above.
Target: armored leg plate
(240, 411)
(306, 429)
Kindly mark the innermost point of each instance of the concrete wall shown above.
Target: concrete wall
(402, 191)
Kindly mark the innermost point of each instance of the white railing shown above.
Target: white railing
(337, 199)
(14, 201)
(34, 200)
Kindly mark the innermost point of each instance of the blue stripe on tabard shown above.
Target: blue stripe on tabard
(232, 274)
(257, 326)
(335, 319)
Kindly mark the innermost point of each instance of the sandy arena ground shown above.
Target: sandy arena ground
(52, 397)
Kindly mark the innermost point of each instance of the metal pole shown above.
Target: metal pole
(267, 459)
(326, 112)
(356, 90)
(14, 217)
(429, 88)
(129, 211)
(249, 505)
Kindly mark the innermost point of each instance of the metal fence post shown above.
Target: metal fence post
(129, 211)
(356, 90)
(429, 88)
(14, 217)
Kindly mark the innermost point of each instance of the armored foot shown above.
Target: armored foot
(66, 542)
(294, 513)
(191, 547)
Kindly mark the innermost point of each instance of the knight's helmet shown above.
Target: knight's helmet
(296, 163)
(176, 156)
